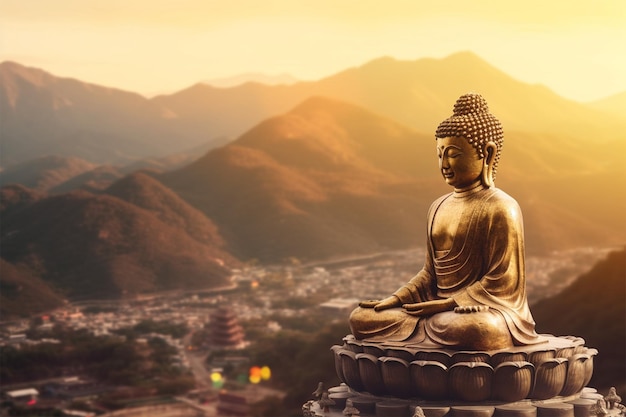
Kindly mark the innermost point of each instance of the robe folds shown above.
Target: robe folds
(483, 267)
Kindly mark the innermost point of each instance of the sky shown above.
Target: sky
(576, 48)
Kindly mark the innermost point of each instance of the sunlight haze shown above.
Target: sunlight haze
(575, 48)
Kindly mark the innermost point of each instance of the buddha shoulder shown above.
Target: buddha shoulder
(500, 204)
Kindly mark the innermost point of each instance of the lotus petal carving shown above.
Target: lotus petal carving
(501, 357)
(338, 366)
(435, 356)
(575, 379)
(550, 378)
(565, 352)
(408, 354)
(371, 377)
(373, 349)
(436, 374)
(536, 358)
(354, 346)
(429, 379)
(459, 357)
(351, 369)
(589, 365)
(471, 381)
(396, 376)
(513, 381)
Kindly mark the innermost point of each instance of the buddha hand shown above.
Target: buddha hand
(428, 308)
(377, 305)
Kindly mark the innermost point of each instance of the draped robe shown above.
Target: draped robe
(483, 267)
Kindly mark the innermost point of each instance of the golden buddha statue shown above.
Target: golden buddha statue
(471, 292)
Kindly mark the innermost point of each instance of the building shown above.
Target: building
(225, 330)
(74, 388)
(22, 396)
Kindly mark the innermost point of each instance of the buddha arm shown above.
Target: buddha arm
(422, 287)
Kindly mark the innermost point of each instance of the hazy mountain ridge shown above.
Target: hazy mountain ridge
(94, 180)
(16, 197)
(226, 82)
(98, 246)
(146, 192)
(417, 94)
(615, 104)
(59, 174)
(44, 173)
(312, 183)
(22, 293)
(44, 114)
(67, 117)
(307, 184)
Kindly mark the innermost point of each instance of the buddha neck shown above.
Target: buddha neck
(469, 190)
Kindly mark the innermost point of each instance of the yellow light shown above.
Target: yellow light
(216, 377)
(255, 379)
(266, 373)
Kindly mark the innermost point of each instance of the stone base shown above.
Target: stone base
(384, 406)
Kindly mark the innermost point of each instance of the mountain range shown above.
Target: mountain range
(226, 82)
(120, 242)
(337, 167)
(349, 181)
(44, 114)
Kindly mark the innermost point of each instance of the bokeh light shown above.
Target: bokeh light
(217, 380)
(255, 375)
(258, 374)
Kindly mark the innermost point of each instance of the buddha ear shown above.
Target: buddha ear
(488, 163)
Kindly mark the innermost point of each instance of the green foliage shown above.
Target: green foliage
(308, 323)
(298, 360)
(108, 359)
(175, 386)
(177, 331)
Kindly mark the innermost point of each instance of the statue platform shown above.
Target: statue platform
(560, 366)
(393, 379)
(580, 405)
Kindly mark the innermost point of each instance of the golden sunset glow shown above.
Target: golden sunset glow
(158, 46)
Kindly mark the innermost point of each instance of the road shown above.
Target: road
(196, 362)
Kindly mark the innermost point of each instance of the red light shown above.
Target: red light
(32, 401)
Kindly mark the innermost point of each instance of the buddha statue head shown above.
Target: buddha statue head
(472, 121)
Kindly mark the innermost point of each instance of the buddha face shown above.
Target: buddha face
(458, 161)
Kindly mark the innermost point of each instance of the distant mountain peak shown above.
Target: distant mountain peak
(317, 102)
(463, 55)
(252, 77)
(14, 67)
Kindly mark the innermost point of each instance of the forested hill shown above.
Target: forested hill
(593, 307)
